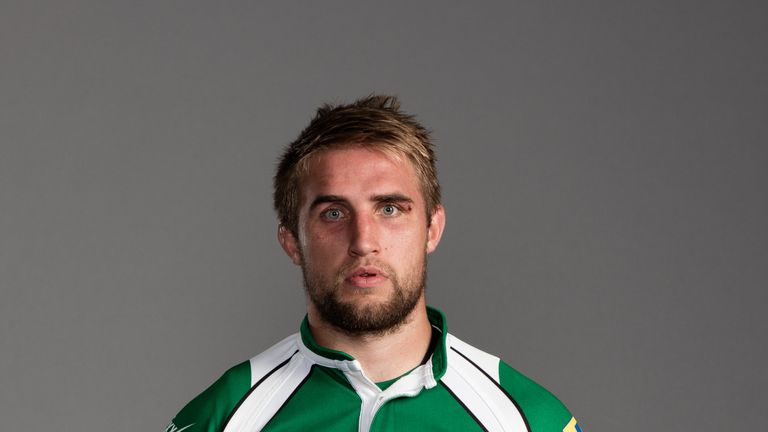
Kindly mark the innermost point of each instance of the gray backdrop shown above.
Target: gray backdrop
(604, 166)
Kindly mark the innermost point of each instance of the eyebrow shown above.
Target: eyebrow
(393, 197)
(322, 199)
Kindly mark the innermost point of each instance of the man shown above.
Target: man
(358, 203)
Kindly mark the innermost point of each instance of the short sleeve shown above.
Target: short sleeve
(209, 410)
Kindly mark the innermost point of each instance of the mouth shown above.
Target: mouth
(367, 276)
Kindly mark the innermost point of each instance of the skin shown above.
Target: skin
(362, 209)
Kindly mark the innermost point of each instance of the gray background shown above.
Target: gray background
(604, 167)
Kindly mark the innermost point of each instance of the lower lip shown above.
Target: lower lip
(362, 281)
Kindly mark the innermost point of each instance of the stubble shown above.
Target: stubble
(365, 319)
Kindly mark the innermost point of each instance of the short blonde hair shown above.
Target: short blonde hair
(374, 121)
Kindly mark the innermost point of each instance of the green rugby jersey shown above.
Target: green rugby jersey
(297, 385)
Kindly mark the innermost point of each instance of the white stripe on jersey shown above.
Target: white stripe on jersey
(263, 363)
(482, 397)
(270, 395)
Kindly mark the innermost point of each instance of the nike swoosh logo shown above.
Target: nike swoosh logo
(173, 428)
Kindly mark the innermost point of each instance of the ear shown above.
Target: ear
(436, 227)
(290, 244)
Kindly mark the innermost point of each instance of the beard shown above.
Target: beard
(372, 319)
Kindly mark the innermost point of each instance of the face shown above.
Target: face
(363, 239)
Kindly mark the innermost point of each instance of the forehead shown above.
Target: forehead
(355, 170)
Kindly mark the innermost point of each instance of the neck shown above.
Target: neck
(382, 356)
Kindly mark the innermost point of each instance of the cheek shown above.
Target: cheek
(409, 240)
(322, 246)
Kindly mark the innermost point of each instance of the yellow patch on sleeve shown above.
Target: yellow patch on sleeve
(572, 426)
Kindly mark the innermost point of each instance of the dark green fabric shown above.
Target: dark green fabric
(544, 412)
(321, 404)
(433, 410)
(327, 402)
(211, 408)
(439, 357)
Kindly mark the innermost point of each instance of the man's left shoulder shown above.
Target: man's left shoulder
(542, 410)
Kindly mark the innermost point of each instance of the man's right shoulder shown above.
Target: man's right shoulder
(210, 410)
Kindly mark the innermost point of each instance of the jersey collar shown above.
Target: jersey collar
(341, 360)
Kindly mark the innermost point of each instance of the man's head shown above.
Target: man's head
(359, 207)
(374, 121)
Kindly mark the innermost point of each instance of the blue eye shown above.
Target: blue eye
(389, 210)
(332, 214)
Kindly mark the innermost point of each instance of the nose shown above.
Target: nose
(364, 239)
